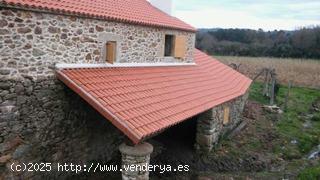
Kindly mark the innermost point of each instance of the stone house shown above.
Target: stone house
(80, 78)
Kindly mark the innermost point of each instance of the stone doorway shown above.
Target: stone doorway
(173, 145)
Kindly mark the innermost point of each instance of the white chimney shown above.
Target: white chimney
(163, 5)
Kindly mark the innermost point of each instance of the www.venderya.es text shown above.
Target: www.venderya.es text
(94, 167)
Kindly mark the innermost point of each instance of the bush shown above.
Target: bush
(312, 173)
(316, 117)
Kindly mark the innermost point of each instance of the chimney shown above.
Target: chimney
(163, 5)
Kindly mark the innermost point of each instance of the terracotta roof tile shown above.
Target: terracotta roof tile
(128, 11)
(143, 101)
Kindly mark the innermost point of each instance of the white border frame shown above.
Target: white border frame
(108, 65)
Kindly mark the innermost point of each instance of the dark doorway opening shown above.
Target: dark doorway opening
(183, 134)
(174, 147)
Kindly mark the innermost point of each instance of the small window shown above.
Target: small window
(169, 45)
(180, 47)
(226, 117)
(175, 46)
(111, 49)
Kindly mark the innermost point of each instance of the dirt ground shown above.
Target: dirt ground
(250, 154)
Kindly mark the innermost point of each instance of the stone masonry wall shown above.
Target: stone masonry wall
(44, 121)
(32, 43)
(41, 120)
(236, 111)
(210, 125)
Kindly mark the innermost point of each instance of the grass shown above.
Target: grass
(256, 93)
(312, 173)
(291, 126)
(302, 72)
(297, 123)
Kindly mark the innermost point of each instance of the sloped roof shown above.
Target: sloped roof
(128, 11)
(143, 101)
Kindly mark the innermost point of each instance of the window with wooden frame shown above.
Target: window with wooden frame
(111, 51)
(175, 46)
(226, 115)
(168, 45)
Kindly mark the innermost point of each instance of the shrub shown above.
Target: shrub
(312, 173)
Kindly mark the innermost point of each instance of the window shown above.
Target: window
(226, 115)
(175, 46)
(180, 47)
(111, 49)
(168, 47)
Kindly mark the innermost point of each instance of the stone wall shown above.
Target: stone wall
(44, 121)
(32, 42)
(236, 111)
(210, 125)
(41, 120)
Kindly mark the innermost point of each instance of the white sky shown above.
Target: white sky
(252, 14)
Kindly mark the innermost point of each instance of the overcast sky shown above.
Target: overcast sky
(252, 14)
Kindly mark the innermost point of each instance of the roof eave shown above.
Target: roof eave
(85, 15)
(136, 139)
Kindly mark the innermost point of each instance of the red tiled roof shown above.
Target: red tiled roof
(128, 11)
(143, 101)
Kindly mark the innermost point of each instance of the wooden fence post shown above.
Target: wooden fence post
(265, 91)
(287, 96)
(273, 85)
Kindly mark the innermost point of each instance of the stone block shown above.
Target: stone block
(21, 151)
(19, 88)
(10, 97)
(11, 144)
(5, 85)
(37, 52)
(54, 30)
(204, 140)
(3, 23)
(21, 100)
(4, 93)
(6, 109)
(4, 31)
(4, 159)
(24, 30)
(37, 30)
(209, 132)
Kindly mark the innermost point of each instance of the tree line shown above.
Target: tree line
(301, 43)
